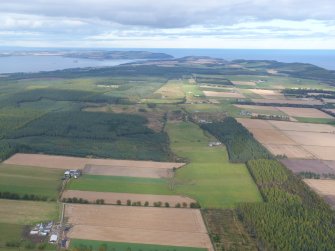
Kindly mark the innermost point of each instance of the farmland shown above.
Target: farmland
(124, 198)
(21, 213)
(209, 170)
(294, 140)
(146, 132)
(119, 184)
(159, 226)
(66, 162)
(37, 181)
(83, 244)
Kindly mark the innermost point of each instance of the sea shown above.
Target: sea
(12, 64)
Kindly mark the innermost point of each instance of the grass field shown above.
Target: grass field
(27, 212)
(30, 180)
(76, 243)
(121, 185)
(209, 178)
(14, 215)
(316, 120)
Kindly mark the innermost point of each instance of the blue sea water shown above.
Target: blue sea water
(322, 58)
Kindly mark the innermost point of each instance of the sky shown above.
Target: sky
(247, 24)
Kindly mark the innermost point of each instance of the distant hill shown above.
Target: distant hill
(118, 55)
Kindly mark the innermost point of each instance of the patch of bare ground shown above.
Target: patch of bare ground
(161, 226)
(322, 152)
(273, 136)
(255, 123)
(223, 94)
(312, 138)
(295, 140)
(112, 198)
(304, 112)
(269, 94)
(65, 162)
(257, 107)
(290, 151)
(325, 188)
(288, 101)
(304, 165)
(302, 127)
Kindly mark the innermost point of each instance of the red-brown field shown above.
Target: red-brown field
(160, 226)
(313, 166)
(112, 198)
(64, 162)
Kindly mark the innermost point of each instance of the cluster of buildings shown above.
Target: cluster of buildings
(42, 229)
(75, 173)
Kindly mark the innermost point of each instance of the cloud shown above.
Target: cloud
(175, 13)
(109, 22)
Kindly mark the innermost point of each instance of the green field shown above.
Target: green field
(16, 214)
(30, 180)
(316, 120)
(120, 185)
(210, 178)
(77, 244)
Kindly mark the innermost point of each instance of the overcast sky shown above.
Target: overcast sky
(284, 24)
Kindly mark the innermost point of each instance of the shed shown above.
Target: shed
(53, 238)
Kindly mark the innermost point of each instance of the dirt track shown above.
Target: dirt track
(162, 226)
(64, 162)
(111, 198)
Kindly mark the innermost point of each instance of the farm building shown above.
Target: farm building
(217, 143)
(72, 174)
(42, 229)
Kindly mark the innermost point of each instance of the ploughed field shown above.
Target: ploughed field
(122, 198)
(147, 225)
(293, 139)
(65, 162)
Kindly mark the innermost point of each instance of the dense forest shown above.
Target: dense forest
(88, 134)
